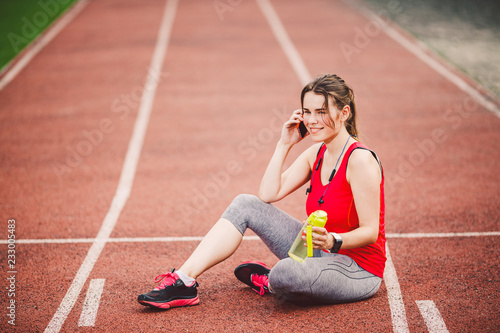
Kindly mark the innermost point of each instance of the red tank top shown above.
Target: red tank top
(341, 210)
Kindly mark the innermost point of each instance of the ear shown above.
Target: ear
(345, 113)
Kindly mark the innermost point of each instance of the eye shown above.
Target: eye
(306, 112)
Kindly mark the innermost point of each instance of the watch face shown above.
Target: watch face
(337, 243)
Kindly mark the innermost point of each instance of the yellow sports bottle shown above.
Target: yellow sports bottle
(299, 251)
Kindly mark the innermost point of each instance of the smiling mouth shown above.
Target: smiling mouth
(314, 130)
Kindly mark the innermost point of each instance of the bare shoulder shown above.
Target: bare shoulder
(362, 157)
(363, 164)
(311, 153)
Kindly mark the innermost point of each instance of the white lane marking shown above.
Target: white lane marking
(432, 317)
(396, 304)
(444, 234)
(429, 60)
(91, 304)
(285, 41)
(38, 44)
(127, 174)
(116, 240)
(199, 238)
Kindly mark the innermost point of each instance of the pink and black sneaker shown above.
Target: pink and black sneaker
(171, 292)
(254, 274)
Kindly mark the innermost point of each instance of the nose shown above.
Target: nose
(312, 118)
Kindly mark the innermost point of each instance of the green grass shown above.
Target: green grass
(22, 21)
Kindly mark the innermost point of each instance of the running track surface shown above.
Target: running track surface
(115, 134)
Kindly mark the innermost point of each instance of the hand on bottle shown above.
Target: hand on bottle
(321, 239)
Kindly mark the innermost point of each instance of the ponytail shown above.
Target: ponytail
(351, 121)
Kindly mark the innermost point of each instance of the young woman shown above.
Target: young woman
(346, 181)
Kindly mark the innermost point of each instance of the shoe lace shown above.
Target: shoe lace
(166, 279)
(261, 281)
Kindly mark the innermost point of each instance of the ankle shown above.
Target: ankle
(188, 280)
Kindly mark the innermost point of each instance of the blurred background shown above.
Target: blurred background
(466, 33)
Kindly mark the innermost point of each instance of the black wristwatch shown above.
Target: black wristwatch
(337, 242)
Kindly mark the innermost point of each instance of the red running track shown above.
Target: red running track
(224, 88)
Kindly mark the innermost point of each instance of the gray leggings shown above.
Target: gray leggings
(325, 278)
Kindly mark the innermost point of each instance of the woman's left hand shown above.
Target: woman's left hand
(321, 239)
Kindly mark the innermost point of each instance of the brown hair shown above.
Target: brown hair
(330, 85)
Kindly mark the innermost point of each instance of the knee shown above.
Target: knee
(287, 276)
(245, 200)
(240, 209)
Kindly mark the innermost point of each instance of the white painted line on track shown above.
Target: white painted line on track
(432, 317)
(285, 41)
(199, 238)
(39, 44)
(116, 240)
(398, 313)
(426, 58)
(52, 241)
(127, 174)
(91, 304)
(444, 234)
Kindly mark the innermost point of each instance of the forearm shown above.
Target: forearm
(272, 180)
(356, 238)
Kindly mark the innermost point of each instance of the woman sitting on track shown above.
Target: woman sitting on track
(346, 182)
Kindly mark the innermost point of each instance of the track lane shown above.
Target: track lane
(460, 275)
(438, 145)
(73, 85)
(49, 136)
(226, 305)
(214, 119)
(428, 148)
(123, 284)
(44, 272)
(214, 124)
(127, 173)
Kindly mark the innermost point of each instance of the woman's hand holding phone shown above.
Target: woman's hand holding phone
(294, 129)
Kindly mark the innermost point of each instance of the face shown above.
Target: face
(318, 120)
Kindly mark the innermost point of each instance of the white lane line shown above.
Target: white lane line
(127, 174)
(199, 238)
(52, 241)
(432, 317)
(39, 44)
(398, 313)
(444, 234)
(285, 41)
(91, 304)
(116, 240)
(429, 60)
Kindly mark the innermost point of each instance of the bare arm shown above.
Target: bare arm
(277, 184)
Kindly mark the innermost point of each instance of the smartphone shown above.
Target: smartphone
(302, 129)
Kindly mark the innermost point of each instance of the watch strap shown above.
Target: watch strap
(337, 242)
